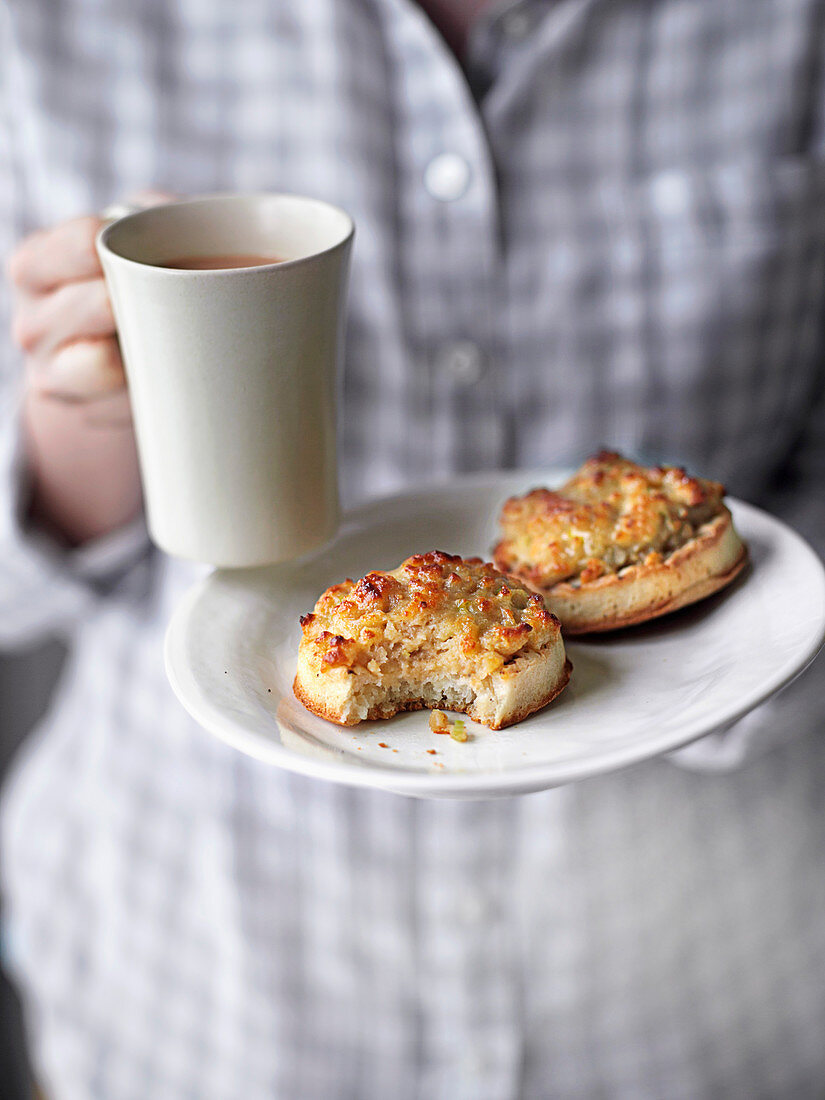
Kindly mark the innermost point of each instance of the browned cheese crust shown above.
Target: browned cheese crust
(439, 631)
(620, 543)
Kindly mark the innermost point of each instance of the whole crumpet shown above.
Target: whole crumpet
(620, 543)
(439, 631)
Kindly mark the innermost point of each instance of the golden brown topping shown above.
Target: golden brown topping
(612, 513)
(593, 569)
(334, 649)
(464, 608)
(376, 589)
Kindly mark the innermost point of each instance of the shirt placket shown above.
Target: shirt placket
(468, 986)
(448, 240)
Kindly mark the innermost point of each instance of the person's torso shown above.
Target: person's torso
(615, 238)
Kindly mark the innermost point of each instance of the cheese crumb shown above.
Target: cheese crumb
(458, 732)
(439, 722)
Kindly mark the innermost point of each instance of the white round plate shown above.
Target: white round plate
(232, 644)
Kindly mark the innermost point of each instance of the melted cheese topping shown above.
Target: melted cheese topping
(460, 610)
(609, 515)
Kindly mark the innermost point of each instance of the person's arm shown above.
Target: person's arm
(68, 472)
(78, 441)
(799, 499)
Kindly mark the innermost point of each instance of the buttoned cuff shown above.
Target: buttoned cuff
(799, 710)
(46, 588)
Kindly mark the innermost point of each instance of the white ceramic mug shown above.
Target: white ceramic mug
(233, 373)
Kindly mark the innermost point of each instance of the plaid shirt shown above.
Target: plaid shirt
(609, 227)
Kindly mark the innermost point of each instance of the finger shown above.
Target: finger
(139, 200)
(150, 197)
(75, 311)
(51, 257)
(111, 410)
(81, 371)
(108, 410)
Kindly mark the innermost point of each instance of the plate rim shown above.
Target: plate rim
(530, 777)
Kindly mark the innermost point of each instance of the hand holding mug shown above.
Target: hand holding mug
(79, 445)
(62, 318)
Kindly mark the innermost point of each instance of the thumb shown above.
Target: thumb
(137, 200)
(150, 196)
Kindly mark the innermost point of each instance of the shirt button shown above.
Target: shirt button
(462, 362)
(670, 193)
(447, 177)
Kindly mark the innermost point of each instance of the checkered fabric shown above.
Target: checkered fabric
(608, 226)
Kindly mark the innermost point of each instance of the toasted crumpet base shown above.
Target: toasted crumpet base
(519, 690)
(637, 593)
